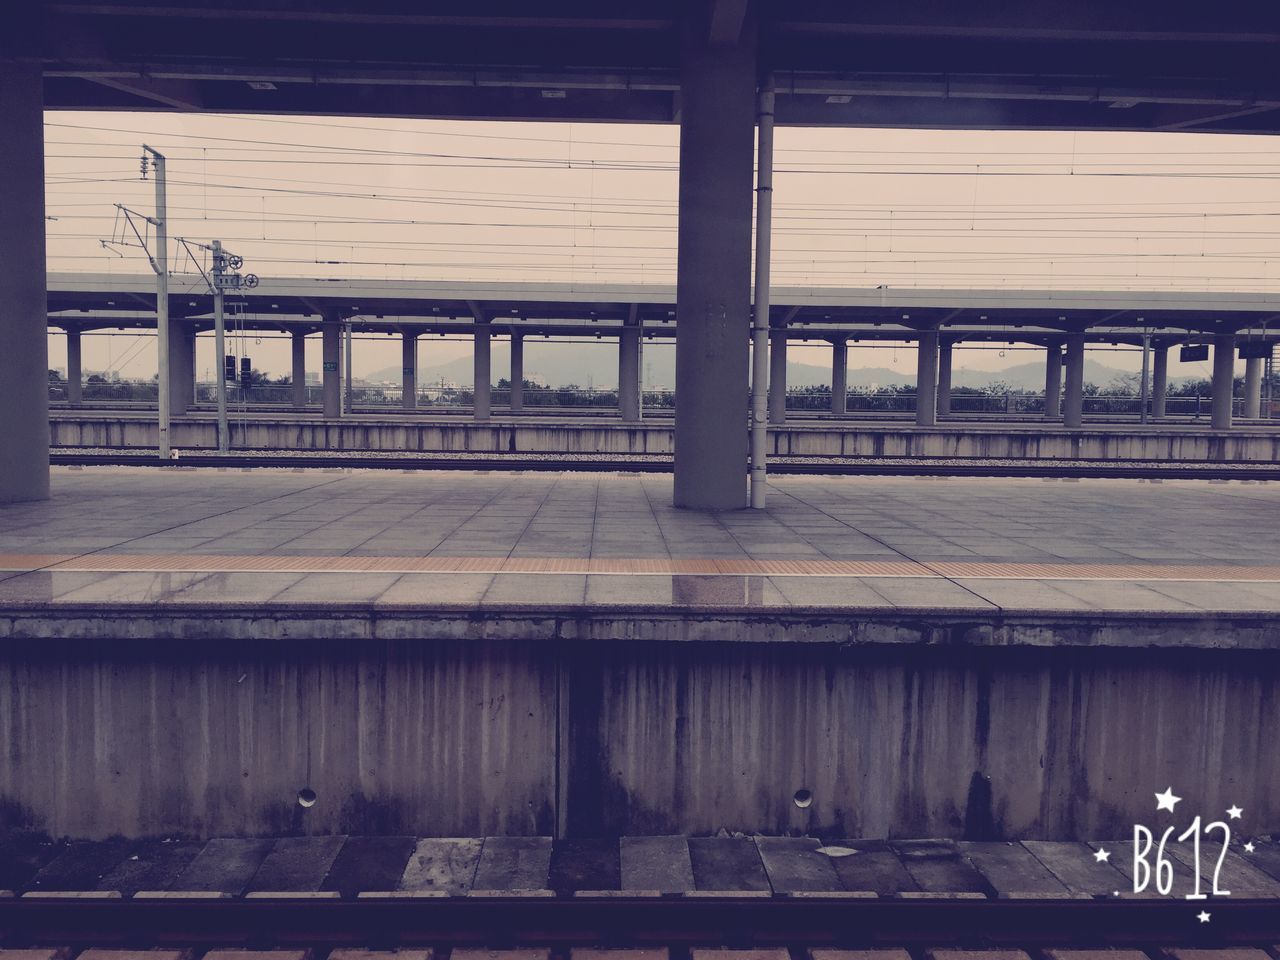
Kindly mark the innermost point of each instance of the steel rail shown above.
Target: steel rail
(502, 921)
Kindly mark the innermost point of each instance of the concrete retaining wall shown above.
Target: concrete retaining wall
(1012, 441)
(476, 737)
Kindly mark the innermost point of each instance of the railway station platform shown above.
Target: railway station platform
(213, 652)
(1185, 441)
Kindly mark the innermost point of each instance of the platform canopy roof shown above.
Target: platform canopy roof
(86, 301)
(1038, 64)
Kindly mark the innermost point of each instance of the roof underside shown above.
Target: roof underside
(1043, 64)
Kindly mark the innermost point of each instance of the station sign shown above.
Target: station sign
(1193, 353)
(1255, 350)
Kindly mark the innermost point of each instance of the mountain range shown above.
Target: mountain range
(589, 365)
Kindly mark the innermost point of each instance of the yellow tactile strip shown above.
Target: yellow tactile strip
(707, 566)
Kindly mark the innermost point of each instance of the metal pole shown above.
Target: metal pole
(162, 302)
(760, 326)
(347, 360)
(219, 331)
(1146, 369)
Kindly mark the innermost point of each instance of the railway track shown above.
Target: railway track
(731, 920)
(783, 466)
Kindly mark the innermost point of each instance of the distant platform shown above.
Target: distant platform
(1246, 442)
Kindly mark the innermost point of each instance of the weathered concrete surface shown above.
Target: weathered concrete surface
(157, 738)
(983, 744)
(1048, 441)
(182, 733)
(194, 624)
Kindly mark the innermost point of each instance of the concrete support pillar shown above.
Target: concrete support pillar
(182, 367)
(839, 377)
(1053, 382)
(331, 339)
(1224, 375)
(24, 357)
(944, 377)
(713, 268)
(298, 371)
(483, 375)
(408, 369)
(1073, 390)
(629, 374)
(1159, 379)
(75, 375)
(517, 372)
(1253, 388)
(927, 379)
(778, 376)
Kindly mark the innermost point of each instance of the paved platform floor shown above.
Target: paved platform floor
(116, 535)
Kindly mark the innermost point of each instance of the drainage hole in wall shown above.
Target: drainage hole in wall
(306, 797)
(803, 798)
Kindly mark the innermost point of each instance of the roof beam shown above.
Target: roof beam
(727, 17)
(179, 94)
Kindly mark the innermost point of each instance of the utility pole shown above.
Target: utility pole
(350, 392)
(219, 333)
(1146, 373)
(219, 281)
(160, 263)
(759, 416)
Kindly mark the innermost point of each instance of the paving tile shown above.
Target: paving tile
(224, 865)
(446, 863)
(873, 866)
(655, 863)
(1010, 868)
(296, 864)
(368, 863)
(514, 863)
(794, 864)
(1076, 868)
(727, 864)
(22, 856)
(81, 866)
(937, 867)
(585, 864)
(151, 865)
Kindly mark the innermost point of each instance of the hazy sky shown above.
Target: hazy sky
(325, 197)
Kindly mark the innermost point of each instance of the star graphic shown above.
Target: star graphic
(1203, 916)
(1166, 800)
(1248, 847)
(1234, 812)
(1102, 856)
